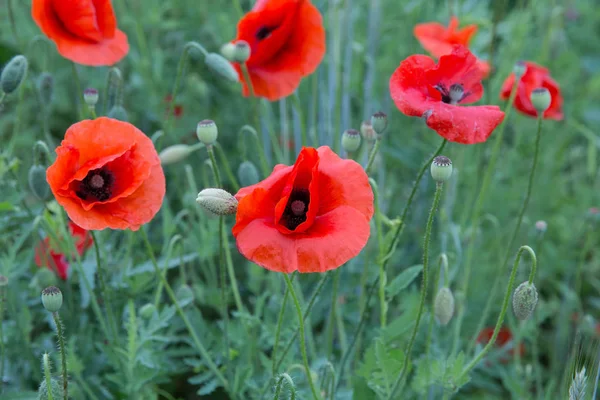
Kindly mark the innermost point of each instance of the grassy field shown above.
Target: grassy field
(175, 311)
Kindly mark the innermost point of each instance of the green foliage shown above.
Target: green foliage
(380, 367)
(446, 374)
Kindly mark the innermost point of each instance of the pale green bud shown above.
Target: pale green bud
(444, 306)
(525, 299)
(217, 201)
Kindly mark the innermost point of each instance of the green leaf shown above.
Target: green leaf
(443, 373)
(381, 367)
(6, 206)
(403, 280)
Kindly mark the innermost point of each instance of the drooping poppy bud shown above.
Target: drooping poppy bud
(217, 201)
(350, 140)
(248, 174)
(174, 154)
(444, 306)
(525, 299)
(221, 66)
(207, 132)
(441, 169)
(13, 74)
(45, 86)
(52, 298)
(38, 183)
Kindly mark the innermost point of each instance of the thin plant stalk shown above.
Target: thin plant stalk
(215, 166)
(424, 282)
(223, 287)
(63, 357)
(477, 208)
(198, 344)
(279, 324)
(103, 288)
(47, 372)
(332, 314)
(522, 211)
(398, 231)
(302, 336)
(372, 155)
(505, 302)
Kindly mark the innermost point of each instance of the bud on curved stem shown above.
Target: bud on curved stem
(285, 379)
(13, 74)
(48, 376)
(505, 302)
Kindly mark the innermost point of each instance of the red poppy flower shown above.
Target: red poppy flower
(177, 108)
(107, 174)
(439, 40)
(287, 43)
(535, 76)
(53, 259)
(85, 31)
(311, 217)
(503, 339)
(420, 87)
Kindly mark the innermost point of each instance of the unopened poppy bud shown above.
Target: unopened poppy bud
(52, 298)
(242, 51)
(118, 112)
(90, 96)
(207, 132)
(525, 299)
(441, 169)
(221, 66)
(379, 122)
(228, 51)
(350, 140)
(248, 174)
(540, 99)
(444, 306)
(541, 226)
(367, 131)
(38, 183)
(13, 74)
(45, 86)
(147, 310)
(519, 69)
(175, 153)
(217, 201)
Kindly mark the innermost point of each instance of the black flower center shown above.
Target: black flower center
(96, 186)
(454, 95)
(296, 208)
(264, 32)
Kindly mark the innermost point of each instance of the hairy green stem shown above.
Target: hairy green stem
(427, 240)
(215, 166)
(285, 379)
(48, 376)
(302, 338)
(63, 356)
(198, 344)
(372, 155)
(278, 330)
(332, 314)
(223, 285)
(104, 289)
(505, 302)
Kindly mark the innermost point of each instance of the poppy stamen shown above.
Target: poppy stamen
(296, 209)
(455, 95)
(96, 186)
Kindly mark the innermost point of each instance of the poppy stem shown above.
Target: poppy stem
(487, 178)
(78, 90)
(103, 289)
(500, 320)
(302, 336)
(372, 155)
(215, 167)
(382, 276)
(278, 330)
(222, 284)
(47, 376)
(442, 264)
(261, 151)
(285, 379)
(63, 356)
(227, 167)
(436, 201)
(385, 258)
(198, 344)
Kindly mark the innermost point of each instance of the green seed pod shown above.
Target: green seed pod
(242, 51)
(541, 99)
(350, 140)
(37, 182)
(90, 97)
(248, 174)
(207, 132)
(221, 67)
(379, 122)
(45, 87)
(147, 310)
(118, 112)
(174, 154)
(13, 74)
(444, 306)
(525, 299)
(519, 69)
(217, 201)
(52, 298)
(441, 169)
